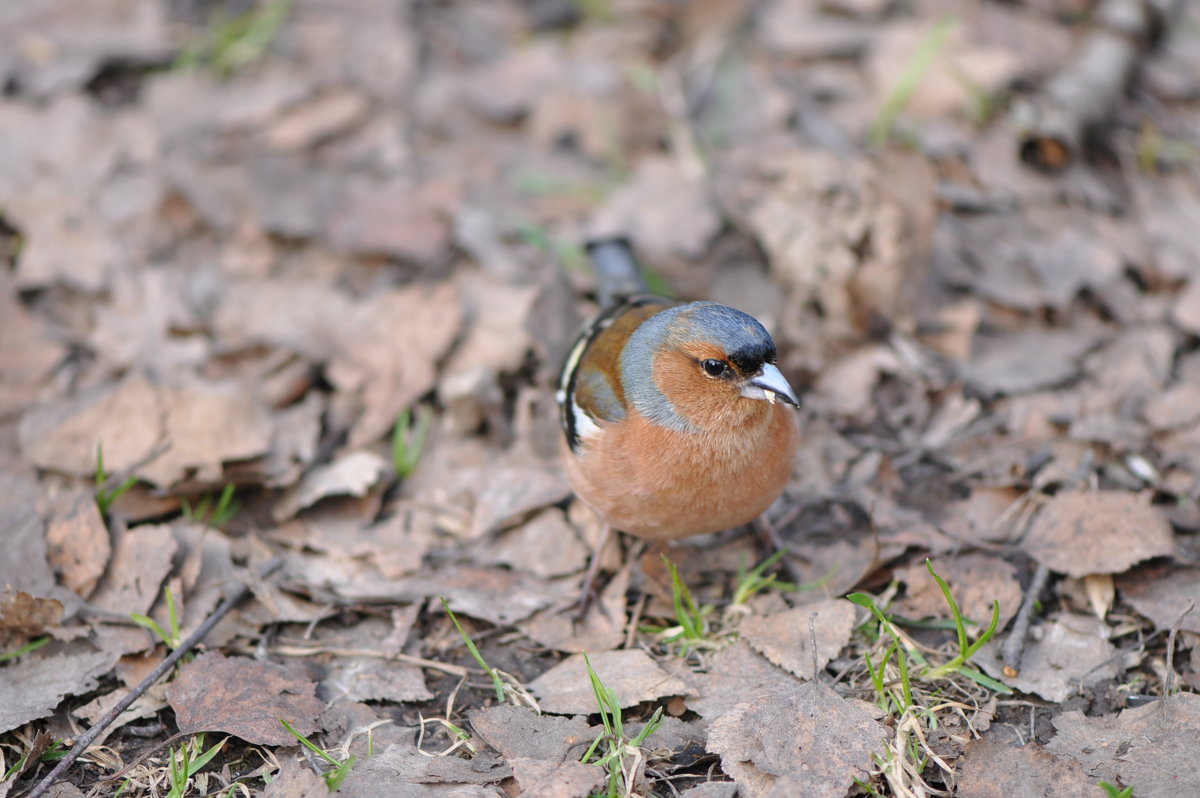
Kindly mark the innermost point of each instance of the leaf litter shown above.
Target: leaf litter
(242, 274)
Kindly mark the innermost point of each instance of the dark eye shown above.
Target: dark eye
(714, 367)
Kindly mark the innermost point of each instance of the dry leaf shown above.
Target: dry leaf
(296, 779)
(207, 424)
(520, 732)
(990, 769)
(544, 779)
(662, 209)
(23, 616)
(1177, 406)
(809, 742)
(962, 66)
(1155, 747)
(350, 474)
(546, 546)
(602, 628)
(975, 580)
(142, 558)
(1026, 360)
(316, 121)
(35, 685)
(78, 544)
(390, 771)
(28, 355)
(243, 697)
(566, 689)
(733, 674)
(126, 418)
(1066, 654)
(1097, 532)
(1163, 593)
(784, 638)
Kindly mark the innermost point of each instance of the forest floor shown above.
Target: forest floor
(289, 283)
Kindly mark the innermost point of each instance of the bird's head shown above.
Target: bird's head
(702, 365)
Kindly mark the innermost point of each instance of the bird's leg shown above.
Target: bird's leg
(588, 593)
(769, 536)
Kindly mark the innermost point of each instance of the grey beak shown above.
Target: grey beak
(770, 385)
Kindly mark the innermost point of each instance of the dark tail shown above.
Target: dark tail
(617, 272)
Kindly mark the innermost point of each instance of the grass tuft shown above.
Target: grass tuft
(106, 494)
(622, 757)
(231, 44)
(210, 514)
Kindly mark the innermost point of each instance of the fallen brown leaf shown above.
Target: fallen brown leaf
(733, 674)
(126, 418)
(538, 777)
(784, 637)
(393, 771)
(243, 697)
(350, 474)
(142, 558)
(1097, 532)
(78, 542)
(1163, 593)
(809, 741)
(35, 685)
(1154, 748)
(975, 580)
(990, 769)
(566, 689)
(520, 732)
(1067, 653)
(1026, 360)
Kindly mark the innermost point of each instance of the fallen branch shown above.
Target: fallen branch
(1077, 100)
(1014, 644)
(88, 737)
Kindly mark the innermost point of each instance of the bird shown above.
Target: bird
(676, 418)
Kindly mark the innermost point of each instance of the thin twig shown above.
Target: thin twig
(1014, 646)
(88, 737)
(1169, 679)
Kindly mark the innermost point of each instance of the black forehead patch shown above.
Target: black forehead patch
(750, 359)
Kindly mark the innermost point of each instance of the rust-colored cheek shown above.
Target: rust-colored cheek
(705, 402)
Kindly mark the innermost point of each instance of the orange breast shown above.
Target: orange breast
(661, 484)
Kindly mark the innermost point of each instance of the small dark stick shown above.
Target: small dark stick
(187, 645)
(1014, 645)
(1169, 680)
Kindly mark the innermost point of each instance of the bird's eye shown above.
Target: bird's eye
(714, 367)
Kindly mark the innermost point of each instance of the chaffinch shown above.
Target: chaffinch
(676, 420)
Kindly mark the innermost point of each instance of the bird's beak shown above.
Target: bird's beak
(770, 385)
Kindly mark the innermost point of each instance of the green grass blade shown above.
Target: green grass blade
(149, 623)
(335, 777)
(497, 682)
(309, 744)
(911, 75)
(985, 680)
(32, 645)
